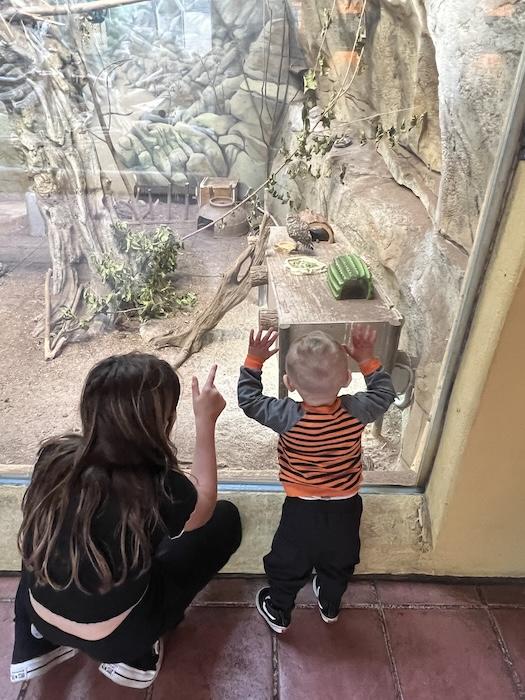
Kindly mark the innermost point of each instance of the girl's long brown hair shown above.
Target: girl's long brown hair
(127, 409)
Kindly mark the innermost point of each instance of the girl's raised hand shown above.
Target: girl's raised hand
(208, 403)
(261, 344)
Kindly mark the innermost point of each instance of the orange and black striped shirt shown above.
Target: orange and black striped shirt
(319, 447)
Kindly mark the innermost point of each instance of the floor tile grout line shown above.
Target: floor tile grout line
(275, 668)
(374, 606)
(359, 606)
(23, 690)
(507, 658)
(362, 606)
(432, 606)
(386, 638)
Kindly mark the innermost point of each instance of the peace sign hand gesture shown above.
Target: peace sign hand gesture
(208, 403)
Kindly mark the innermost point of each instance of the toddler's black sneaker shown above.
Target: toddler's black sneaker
(276, 619)
(329, 612)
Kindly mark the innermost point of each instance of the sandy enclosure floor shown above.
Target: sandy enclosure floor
(39, 399)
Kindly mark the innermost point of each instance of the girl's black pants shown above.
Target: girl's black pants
(181, 568)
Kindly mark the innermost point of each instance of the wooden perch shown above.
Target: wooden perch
(259, 275)
(44, 10)
(234, 288)
(268, 318)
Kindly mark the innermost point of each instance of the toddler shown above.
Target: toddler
(319, 454)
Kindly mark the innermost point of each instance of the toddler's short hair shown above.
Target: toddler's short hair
(316, 362)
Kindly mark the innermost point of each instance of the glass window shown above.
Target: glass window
(152, 152)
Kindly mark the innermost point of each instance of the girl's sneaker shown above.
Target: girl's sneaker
(43, 656)
(276, 619)
(329, 612)
(139, 675)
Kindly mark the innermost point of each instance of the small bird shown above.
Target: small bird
(299, 231)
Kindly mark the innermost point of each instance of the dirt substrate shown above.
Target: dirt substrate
(39, 399)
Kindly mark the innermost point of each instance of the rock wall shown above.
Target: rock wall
(478, 46)
(453, 61)
(13, 177)
(398, 75)
(215, 110)
(412, 210)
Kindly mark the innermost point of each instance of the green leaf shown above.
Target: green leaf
(310, 80)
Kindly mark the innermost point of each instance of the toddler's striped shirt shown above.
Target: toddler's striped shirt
(319, 447)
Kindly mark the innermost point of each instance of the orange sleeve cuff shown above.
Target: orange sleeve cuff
(370, 366)
(252, 362)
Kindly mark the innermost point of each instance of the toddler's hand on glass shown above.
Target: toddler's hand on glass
(208, 402)
(261, 344)
(362, 343)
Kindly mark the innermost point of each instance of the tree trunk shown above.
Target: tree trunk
(60, 155)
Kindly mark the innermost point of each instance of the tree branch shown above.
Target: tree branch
(83, 7)
(235, 285)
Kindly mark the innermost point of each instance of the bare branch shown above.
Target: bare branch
(81, 8)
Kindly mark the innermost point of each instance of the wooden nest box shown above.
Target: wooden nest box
(300, 304)
(217, 187)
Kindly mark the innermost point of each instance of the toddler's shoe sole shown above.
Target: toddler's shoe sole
(33, 668)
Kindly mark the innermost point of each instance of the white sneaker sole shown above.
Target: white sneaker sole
(275, 627)
(131, 677)
(33, 668)
(328, 620)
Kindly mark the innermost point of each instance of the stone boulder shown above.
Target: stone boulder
(261, 103)
(230, 18)
(219, 124)
(250, 173)
(485, 41)
(251, 137)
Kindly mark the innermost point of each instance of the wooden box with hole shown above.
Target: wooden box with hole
(217, 208)
(223, 187)
(298, 304)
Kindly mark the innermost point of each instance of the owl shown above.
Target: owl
(299, 232)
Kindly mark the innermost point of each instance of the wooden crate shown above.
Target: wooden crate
(304, 303)
(217, 187)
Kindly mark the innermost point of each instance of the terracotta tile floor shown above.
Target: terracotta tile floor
(393, 641)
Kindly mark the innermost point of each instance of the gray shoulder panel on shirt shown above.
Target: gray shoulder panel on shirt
(278, 414)
(367, 406)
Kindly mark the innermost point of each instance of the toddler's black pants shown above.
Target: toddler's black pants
(320, 534)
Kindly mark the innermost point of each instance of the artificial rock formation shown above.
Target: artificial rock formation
(412, 210)
(195, 109)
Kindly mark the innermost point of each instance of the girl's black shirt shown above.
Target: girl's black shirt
(87, 607)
